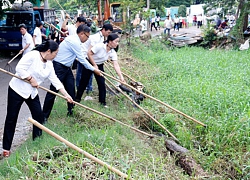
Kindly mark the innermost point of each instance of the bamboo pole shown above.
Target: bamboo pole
(81, 105)
(137, 105)
(157, 100)
(64, 11)
(71, 145)
(122, 73)
(54, 27)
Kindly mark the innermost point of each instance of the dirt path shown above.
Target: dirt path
(23, 127)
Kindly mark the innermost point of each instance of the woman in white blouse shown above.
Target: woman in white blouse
(35, 67)
(97, 55)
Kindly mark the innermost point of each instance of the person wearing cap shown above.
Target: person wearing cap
(27, 41)
(72, 27)
(96, 38)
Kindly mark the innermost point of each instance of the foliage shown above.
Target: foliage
(228, 5)
(205, 81)
(178, 3)
(182, 10)
(5, 3)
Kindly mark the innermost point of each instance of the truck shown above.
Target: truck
(10, 36)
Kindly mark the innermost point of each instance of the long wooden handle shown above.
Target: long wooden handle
(81, 105)
(53, 27)
(14, 58)
(64, 10)
(71, 145)
(157, 100)
(137, 105)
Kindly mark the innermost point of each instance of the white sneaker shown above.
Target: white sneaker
(88, 98)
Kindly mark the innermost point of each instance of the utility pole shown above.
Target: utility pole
(46, 4)
(148, 5)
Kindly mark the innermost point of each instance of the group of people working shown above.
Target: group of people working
(48, 60)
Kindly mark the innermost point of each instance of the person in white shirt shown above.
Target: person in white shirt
(199, 20)
(143, 25)
(153, 19)
(34, 67)
(158, 18)
(97, 55)
(37, 35)
(27, 41)
(73, 27)
(176, 22)
(167, 25)
(93, 39)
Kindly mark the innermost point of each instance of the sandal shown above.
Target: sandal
(6, 153)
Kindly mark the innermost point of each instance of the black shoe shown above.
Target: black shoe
(70, 112)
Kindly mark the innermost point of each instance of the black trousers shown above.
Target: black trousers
(14, 104)
(65, 75)
(86, 74)
(153, 25)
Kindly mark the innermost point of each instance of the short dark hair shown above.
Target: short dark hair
(110, 18)
(80, 19)
(112, 37)
(46, 45)
(22, 26)
(39, 24)
(107, 27)
(83, 28)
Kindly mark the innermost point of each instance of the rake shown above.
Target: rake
(8, 66)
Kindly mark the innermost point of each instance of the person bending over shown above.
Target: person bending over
(34, 67)
(97, 55)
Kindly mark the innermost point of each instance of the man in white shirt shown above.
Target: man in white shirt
(37, 35)
(176, 22)
(199, 20)
(27, 41)
(143, 25)
(153, 19)
(72, 27)
(98, 37)
(167, 25)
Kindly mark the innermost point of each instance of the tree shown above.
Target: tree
(178, 3)
(182, 11)
(6, 4)
(243, 7)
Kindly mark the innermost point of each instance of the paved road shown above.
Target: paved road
(192, 30)
(23, 126)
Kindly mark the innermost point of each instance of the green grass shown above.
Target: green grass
(210, 86)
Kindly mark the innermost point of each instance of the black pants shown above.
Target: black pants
(85, 80)
(65, 75)
(153, 25)
(15, 102)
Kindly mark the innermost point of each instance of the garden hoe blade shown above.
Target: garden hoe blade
(8, 66)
